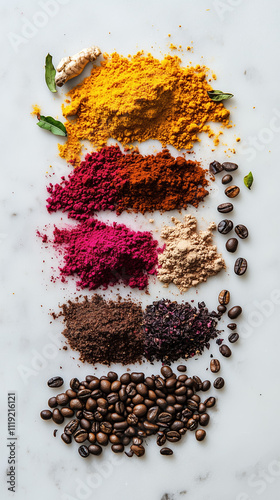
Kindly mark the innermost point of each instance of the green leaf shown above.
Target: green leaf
(248, 180)
(218, 95)
(54, 126)
(50, 74)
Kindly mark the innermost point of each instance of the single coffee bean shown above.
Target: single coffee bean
(115, 386)
(173, 436)
(225, 226)
(225, 351)
(227, 179)
(229, 167)
(161, 438)
(140, 410)
(166, 451)
(181, 368)
(240, 266)
(241, 231)
(66, 438)
(55, 382)
(46, 414)
(153, 413)
(231, 245)
(225, 208)
(112, 376)
(125, 378)
(166, 371)
(221, 309)
(76, 404)
(67, 412)
(201, 408)
(95, 449)
(204, 419)
(71, 427)
(205, 386)
(80, 436)
(105, 386)
(84, 451)
(219, 383)
(215, 167)
(137, 377)
(91, 437)
(85, 424)
(232, 191)
(200, 434)
(210, 402)
(84, 393)
(165, 417)
(224, 297)
(52, 402)
(117, 448)
(102, 438)
(74, 384)
(132, 419)
(106, 427)
(192, 424)
(234, 312)
(139, 450)
(215, 365)
(57, 417)
(233, 337)
(62, 399)
(232, 326)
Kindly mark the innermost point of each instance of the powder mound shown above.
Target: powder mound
(174, 331)
(189, 258)
(103, 255)
(111, 180)
(141, 98)
(104, 332)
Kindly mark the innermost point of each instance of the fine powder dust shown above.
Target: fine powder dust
(189, 258)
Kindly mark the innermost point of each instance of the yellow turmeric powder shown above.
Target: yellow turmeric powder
(140, 98)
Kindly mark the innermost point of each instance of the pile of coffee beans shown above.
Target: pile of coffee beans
(122, 412)
(226, 225)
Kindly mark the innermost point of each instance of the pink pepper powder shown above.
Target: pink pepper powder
(104, 255)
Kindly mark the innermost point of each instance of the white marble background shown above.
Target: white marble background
(240, 459)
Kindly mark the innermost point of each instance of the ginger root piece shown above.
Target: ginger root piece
(72, 66)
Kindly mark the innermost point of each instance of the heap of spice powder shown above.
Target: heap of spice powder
(112, 180)
(104, 331)
(140, 98)
(174, 331)
(101, 255)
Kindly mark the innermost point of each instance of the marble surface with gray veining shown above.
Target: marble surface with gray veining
(240, 459)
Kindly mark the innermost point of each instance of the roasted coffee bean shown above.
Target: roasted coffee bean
(52, 402)
(75, 404)
(231, 245)
(95, 427)
(192, 405)
(120, 426)
(232, 191)
(215, 167)
(181, 391)
(91, 437)
(142, 389)
(221, 309)
(62, 399)
(210, 402)
(241, 231)
(206, 385)
(225, 351)
(66, 438)
(224, 297)
(71, 394)
(71, 427)
(88, 415)
(204, 419)
(140, 410)
(196, 397)
(225, 226)
(57, 417)
(150, 382)
(138, 450)
(137, 377)
(201, 408)
(55, 382)
(192, 424)
(215, 365)
(234, 312)
(105, 386)
(152, 395)
(227, 179)
(84, 451)
(182, 368)
(84, 393)
(187, 413)
(89, 378)
(182, 431)
(233, 337)
(131, 390)
(161, 438)
(225, 208)
(115, 439)
(46, 414)
(132, 419)
(240, 266)
(122, 394)
(106, 427)
(149, 403)
(115, 386)
(102, 403)
(94, 384)
(229, 167)
(153, 413)
(91, 404)
(112, 376)
(197, 381)
(85, 424)
(166, 371)
(232, 326)
(137, 440)
(162, 403)
(126, 440)
(102, 438)
(159, 383)
(166, 451)
(170, 383)
(173, 436)
(183, 378)
(119, 407)
(74, 384)
(219, 383)
(149, 426)
(95, 449)
(117, 448)
(80, 436)
(165, 417)
(125, 378)
(177, 425)
(79, 414)
(200, 434)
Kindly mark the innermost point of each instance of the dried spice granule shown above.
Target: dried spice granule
(174, 331)
(103, 255)
(112, 180)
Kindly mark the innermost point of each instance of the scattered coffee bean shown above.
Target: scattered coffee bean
(57, 417)
(234, 312)
(215, 167)
(224, 297)
(241, 231)
(221, 309)
(182, 368)
(200, 434)
(232, 191)
(71, 427)
(219, 383)
(67, 412)
(209, 402)
(225, 351)
(225, 226)
(46, 414)
(204, 419)
(166, 451)
(62, 399)
(240, 266)
(84, 451)
(206, 385)
(231, 245)
(80, 436)
(52, 402)
(215, 365)
(227, 179)
(95, 449)
(225, 208)
(139, 450)
(55, 382)
(117, 448)
(232, 326)
(166, 371)
(229, 167)
(233, 337)
(66, 438)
